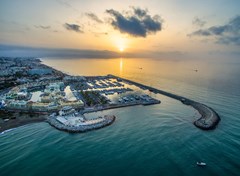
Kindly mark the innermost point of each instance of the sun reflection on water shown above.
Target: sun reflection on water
(121, 66)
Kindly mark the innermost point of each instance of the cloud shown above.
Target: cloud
(97, 34)
(139, 12)
(198, 22)
(73, 27)
(42, 27)
(93, 17)
(66, 3)
(137, 24)
(228, 33)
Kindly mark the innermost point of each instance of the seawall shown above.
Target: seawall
(209, 117)
(108, 120)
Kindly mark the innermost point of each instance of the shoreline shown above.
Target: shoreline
(209, 118)
(14, 123)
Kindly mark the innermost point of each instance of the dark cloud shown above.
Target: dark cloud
(139, 12)
(73, 27)
(225, 34)
(200, 32)
(198, 22)
(229, 40)
(94, 17)
(42, 27)
(137, 24)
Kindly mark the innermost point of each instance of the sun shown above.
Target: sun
(121, 49)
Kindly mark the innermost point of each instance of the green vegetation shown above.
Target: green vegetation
(19, 74)
(92, 98)
(7, 84)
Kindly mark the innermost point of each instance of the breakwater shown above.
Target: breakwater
(115, 106)
(209, 117)
(107, 120)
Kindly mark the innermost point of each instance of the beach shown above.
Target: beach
(9, 121)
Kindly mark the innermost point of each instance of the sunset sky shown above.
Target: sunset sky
(174, 26)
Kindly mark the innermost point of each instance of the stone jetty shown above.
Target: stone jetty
(209, 117)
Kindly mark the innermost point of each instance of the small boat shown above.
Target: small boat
(201, 164)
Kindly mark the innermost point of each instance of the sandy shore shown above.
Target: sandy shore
(13, 120)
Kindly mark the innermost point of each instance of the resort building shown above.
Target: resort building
(54, 87)
(18, 104)
(22, 95)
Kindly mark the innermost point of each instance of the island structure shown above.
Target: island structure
(32, 92)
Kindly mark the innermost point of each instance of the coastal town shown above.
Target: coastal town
(39, 92)
(33, 92)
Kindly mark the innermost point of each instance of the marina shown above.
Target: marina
(80, 94)
(209, 118)
(92, 94)
(89, 94)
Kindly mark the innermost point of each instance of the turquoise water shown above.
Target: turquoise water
(144, 140)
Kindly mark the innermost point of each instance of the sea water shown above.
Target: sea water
(144, 140)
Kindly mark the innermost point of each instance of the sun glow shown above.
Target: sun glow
(120, 42)
(121, 49)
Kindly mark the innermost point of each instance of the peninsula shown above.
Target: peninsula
(31, 92)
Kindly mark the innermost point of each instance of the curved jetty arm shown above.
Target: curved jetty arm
(209, 118)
